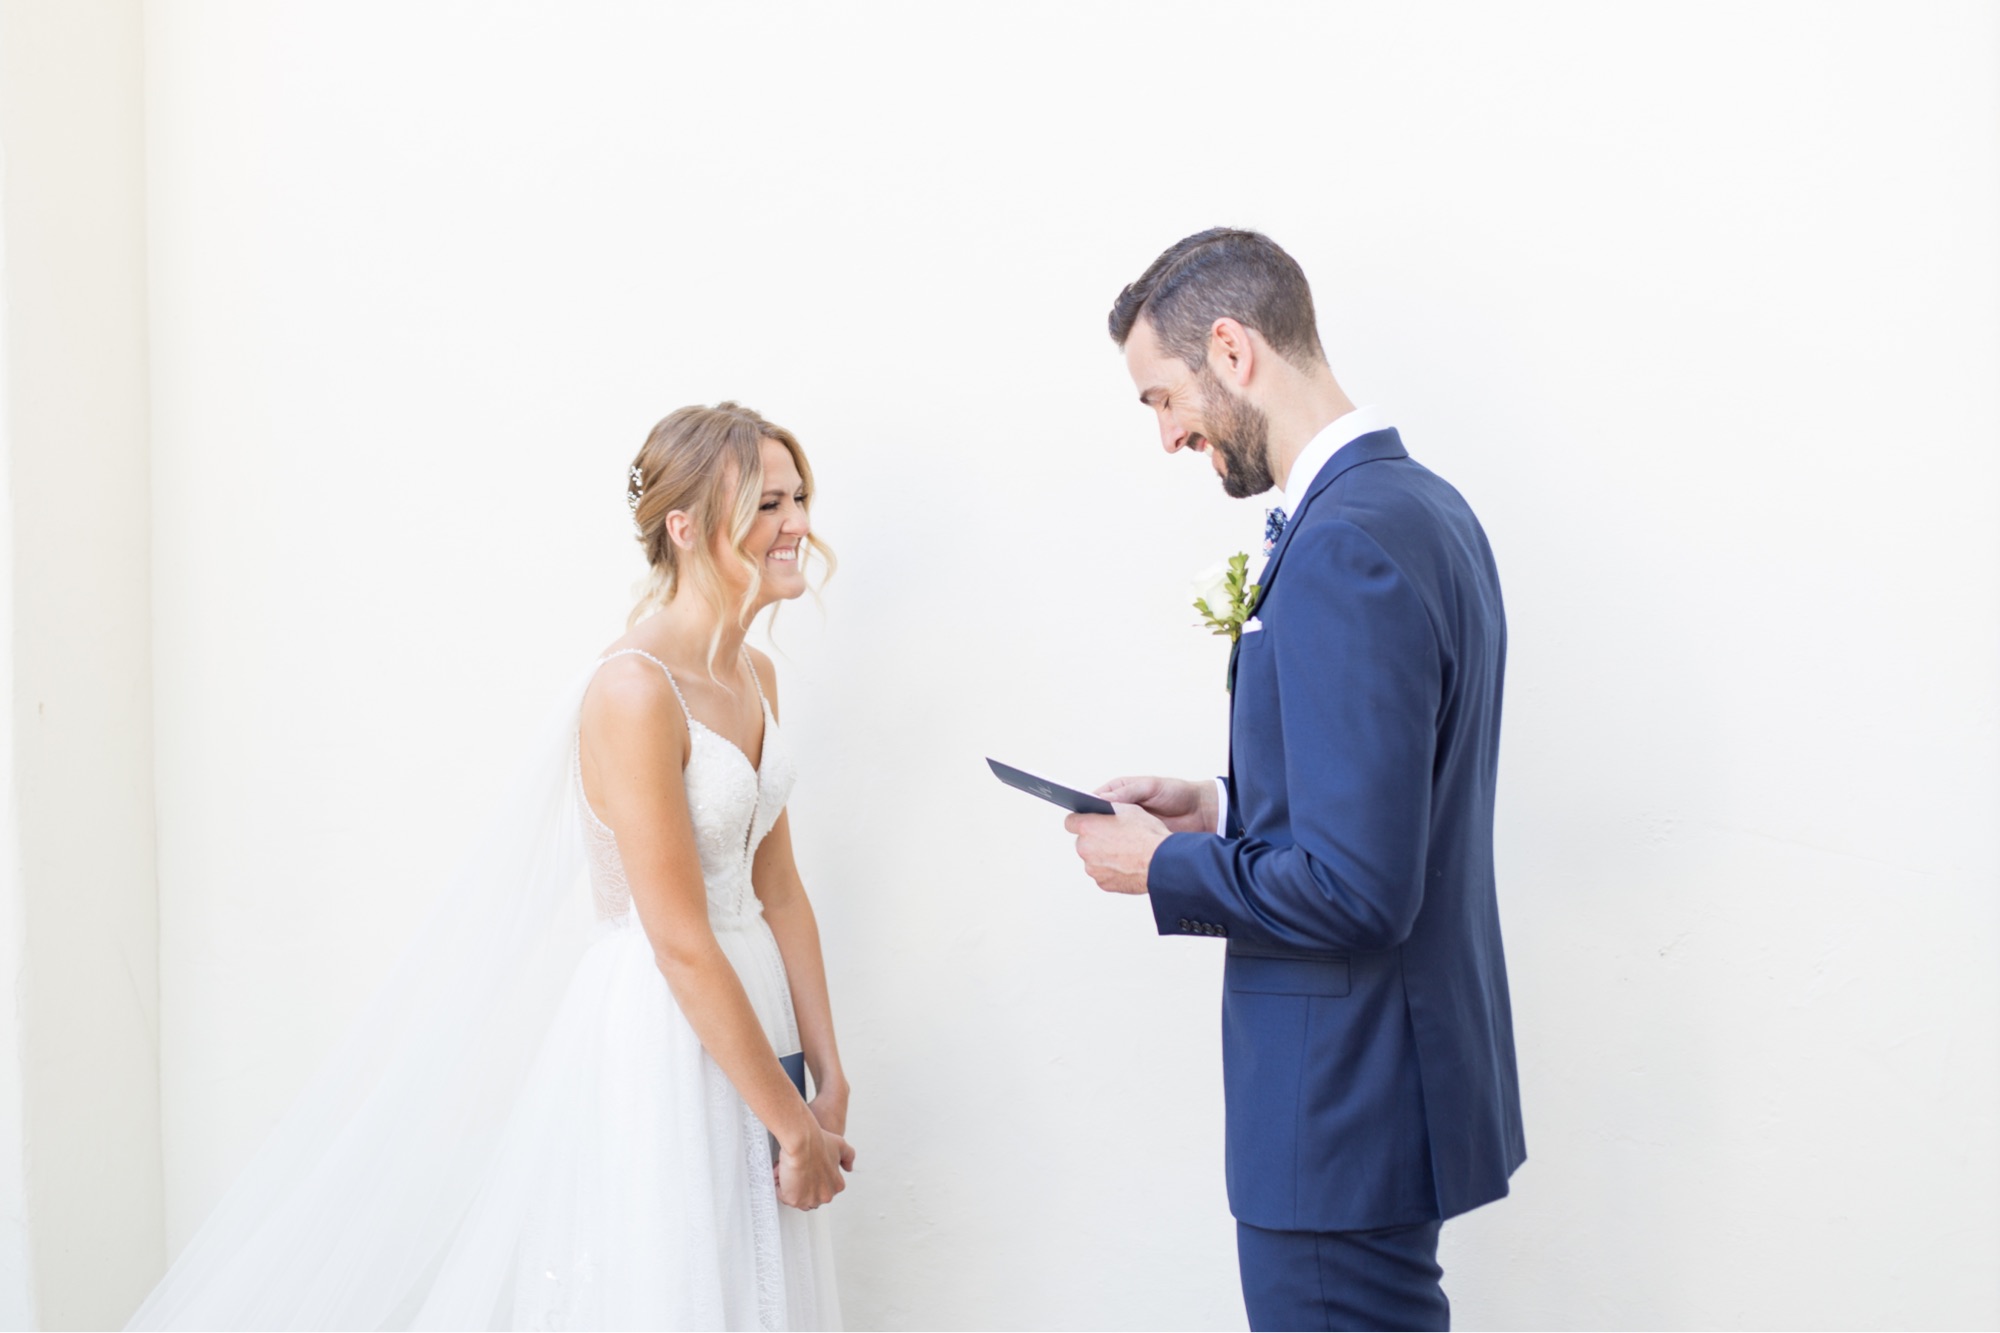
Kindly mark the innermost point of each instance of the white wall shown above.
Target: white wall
(17, 1266)
(79, 708)
(1697, 305)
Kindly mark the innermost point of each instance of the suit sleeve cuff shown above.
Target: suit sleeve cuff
(1174, 888)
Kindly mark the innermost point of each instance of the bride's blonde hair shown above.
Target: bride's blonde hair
(707, 462)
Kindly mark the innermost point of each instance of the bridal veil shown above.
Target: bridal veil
(345, 1213)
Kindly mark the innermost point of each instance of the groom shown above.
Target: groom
(1368, 1048)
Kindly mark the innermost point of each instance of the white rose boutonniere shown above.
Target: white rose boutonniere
(1224, 595)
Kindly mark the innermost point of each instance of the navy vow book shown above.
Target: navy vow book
(795, 1068)
(1069, 798)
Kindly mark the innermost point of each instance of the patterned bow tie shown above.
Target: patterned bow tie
(1274, 527)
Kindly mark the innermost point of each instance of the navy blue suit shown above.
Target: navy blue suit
(1368, 1049)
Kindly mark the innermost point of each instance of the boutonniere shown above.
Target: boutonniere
(1224, 596)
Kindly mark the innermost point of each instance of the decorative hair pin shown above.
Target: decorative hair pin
(635, 489)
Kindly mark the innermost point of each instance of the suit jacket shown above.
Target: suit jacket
(1368, 1047)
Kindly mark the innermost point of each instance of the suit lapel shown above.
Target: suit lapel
(1372, 447)
(1369, 448)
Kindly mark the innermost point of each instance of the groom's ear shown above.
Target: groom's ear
(1232, 354)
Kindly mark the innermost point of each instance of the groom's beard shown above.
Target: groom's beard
(1241, 433)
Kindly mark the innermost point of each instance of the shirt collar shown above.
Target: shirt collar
(1335, 435)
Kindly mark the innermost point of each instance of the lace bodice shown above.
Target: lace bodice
(733, 806)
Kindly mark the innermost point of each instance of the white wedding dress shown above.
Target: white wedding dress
(525, 1132)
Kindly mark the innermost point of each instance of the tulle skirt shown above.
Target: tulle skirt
(632, 1186)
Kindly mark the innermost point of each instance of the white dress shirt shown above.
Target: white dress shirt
(1312, 460)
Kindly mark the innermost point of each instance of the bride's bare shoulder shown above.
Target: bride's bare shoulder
(629, 688)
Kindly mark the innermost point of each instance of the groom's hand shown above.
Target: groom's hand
(1184, 807)
(1118, 848)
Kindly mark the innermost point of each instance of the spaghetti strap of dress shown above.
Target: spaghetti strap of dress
(756, 680)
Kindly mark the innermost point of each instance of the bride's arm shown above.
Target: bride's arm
(790, 914)
(636, 743)
(788, 910)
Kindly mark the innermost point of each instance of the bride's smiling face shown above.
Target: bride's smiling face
(777, 536)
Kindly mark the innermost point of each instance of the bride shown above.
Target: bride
(587, 1107)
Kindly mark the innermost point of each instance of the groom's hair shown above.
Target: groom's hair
(1216, 274)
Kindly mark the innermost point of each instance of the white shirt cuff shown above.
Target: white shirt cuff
(1221, 808)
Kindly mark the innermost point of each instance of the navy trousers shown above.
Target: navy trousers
(1387, 1278)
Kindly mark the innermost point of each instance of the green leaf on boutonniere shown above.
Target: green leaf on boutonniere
(1226, 585)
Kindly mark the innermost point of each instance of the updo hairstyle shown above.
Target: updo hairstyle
(707, 462)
